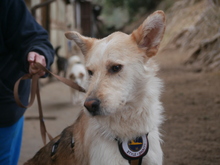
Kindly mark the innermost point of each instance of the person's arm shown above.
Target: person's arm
(25, 35)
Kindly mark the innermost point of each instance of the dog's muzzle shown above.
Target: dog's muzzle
(93, 106)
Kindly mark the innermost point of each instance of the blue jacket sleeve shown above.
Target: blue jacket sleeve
(23, 34)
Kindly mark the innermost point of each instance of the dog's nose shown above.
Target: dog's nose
(92, 105)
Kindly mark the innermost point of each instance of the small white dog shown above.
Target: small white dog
(121, 120)
(77, 74)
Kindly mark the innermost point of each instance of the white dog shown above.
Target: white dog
(123, 113)
(78, 74)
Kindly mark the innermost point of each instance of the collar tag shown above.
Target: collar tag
(134, 149)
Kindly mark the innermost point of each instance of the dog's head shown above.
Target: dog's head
(77, 78)
(116, 65)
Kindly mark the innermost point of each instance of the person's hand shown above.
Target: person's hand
(35, 57)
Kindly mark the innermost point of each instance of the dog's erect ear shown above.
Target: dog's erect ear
(84, 43)
(149, 35)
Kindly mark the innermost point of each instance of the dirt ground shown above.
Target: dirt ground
(191, 100)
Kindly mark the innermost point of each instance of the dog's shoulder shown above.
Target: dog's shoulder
(61, 149)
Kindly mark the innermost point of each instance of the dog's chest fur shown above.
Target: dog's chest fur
(95, 137)
(100, 150)
(94, 147)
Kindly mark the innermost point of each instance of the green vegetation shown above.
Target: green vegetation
(133, 6)
(118, 13)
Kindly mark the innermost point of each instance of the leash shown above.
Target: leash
(35, 91)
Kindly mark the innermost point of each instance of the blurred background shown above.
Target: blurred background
(191, 24)
(189, 59)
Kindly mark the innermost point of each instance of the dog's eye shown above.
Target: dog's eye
(90, 72)
(115, 68)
